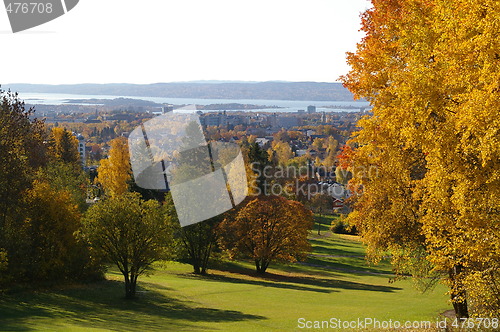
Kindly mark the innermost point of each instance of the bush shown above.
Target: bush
(340, 226)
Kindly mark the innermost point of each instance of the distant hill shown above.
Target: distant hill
(205, 90)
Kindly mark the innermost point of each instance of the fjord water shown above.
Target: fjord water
(284, 105)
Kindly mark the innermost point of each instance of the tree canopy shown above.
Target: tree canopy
(266, 229)
(130, 233)
(115, 172)
(430, 68)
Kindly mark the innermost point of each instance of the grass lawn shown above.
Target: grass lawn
(334, 282)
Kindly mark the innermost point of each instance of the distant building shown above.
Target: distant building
(311, 109)
(300, 152)
(167, 108)
(92, 121)
(81, 147)
(337, 204)
(282, 121)
(287, 122)
(262, 141)
(214, 119)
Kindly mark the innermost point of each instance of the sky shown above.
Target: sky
(150, 41)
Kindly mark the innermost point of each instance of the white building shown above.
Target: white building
(81, 148)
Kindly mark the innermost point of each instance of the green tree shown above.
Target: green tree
(22, 152)
(130, 233)
(66, 177)
(257, 160)
(63, 146)
(321, 204)
(199, 241)
(54, 251)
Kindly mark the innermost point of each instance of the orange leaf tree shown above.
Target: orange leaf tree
(430, 68)
(266, 229)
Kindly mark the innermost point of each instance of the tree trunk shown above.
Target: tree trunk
(261, 266)
(130, 286)
(461, 310)
(458, 293)
(319, 226)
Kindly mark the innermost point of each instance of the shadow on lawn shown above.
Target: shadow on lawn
(101, 305)
(351, 265)
(305, 283)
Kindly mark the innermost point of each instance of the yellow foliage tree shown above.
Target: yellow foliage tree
(51, 223)
(283, 152)
(115, 171)
(428, 159)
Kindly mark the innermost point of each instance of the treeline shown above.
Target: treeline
(51, 234)
(132, 227)
(42, 198)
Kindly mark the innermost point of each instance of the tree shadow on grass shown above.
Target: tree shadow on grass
(351, 265)
(101, 305)
(318, 249)
(263, 282)
(338, 245)
(296, 282)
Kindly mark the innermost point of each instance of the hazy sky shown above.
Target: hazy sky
(148, 41)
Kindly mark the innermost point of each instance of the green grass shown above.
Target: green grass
(334, 282)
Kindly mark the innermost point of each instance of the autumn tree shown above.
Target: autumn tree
(63, 146)
(54, 252)
(22, 152)
(68, 177)
(331, 152)
(283, 152)
(115, 171)
(320, 204)
(431, 70)
(318, 143)
(267, 229)
(40, 197)
(342, 175)
(130, 233)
